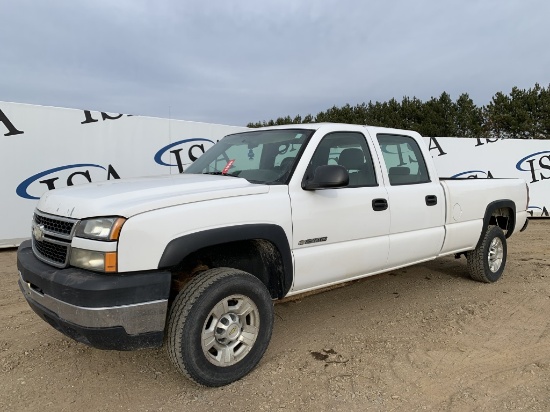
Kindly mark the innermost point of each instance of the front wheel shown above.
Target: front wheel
(486, 262)
(219, 326)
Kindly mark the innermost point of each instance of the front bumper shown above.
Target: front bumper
(120, 311)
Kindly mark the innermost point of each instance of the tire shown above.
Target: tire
(219, 326)
(487, 261)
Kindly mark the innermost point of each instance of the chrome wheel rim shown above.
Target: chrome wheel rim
(230, 330)
(496, 254)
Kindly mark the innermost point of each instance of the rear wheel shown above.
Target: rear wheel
(487, 261)
(219, 326)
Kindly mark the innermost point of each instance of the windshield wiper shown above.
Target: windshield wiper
(219, 174)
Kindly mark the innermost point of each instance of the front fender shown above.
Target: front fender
(183, 246)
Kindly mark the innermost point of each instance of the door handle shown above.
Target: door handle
(431, 200)
(379, 204)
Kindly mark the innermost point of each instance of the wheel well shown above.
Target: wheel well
(258, 257)
(504, 218)
(500, 213)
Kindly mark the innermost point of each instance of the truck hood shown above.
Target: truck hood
(129, 197)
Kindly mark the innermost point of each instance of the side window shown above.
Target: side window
(347, 149)
(403, 159)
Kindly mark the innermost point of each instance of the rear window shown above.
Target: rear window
(404, 161)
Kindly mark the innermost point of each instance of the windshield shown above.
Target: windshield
(263, 156)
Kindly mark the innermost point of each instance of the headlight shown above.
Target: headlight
(94, 260)
(103, 228)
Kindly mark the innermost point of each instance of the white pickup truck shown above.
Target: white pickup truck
(197, 259)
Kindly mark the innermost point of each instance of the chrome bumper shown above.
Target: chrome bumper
(135, 319)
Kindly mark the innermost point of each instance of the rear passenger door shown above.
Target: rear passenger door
(337, 234)
(416, 201)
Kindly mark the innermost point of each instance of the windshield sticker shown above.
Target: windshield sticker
(228, 166)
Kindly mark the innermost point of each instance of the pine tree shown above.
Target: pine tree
(523, 114)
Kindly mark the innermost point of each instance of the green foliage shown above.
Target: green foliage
(523, 114)
(469, 118)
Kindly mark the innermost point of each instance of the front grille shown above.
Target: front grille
(58, 226)
(51, 251)
(51, 238)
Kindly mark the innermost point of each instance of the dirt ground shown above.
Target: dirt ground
(420, 338)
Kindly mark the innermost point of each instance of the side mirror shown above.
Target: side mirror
(328, 176)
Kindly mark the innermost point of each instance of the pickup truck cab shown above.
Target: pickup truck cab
(197, 259)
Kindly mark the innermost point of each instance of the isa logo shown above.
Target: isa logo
(538, 211)
(63, 176)
(538, 164)
(474, 174)
(183, 152)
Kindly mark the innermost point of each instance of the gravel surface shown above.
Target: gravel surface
(421, 338)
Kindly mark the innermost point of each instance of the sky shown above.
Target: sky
(234, 62)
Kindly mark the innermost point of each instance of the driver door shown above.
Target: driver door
(337, 233)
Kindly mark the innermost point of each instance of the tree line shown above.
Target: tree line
(521, 114)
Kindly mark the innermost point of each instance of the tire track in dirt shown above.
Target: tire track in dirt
(488, 339)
